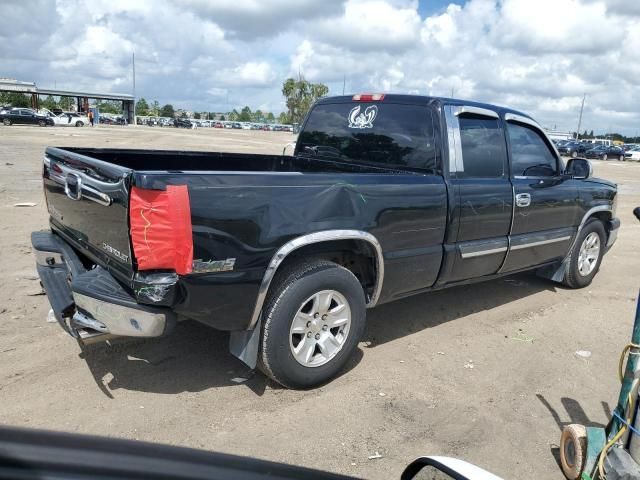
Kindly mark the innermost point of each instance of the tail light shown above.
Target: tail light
(160, 222)
(368, 97)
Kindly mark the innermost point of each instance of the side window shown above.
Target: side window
(530, 154)
(483, 148)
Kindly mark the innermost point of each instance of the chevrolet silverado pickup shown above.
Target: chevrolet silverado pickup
(383, 196)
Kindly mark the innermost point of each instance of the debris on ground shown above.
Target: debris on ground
(522, 337)
(239, 379)
(35, 294)
(583, 353)
(375, 456)
(469, 364)
(382, 394)
(440, 353)
(51, 317)
(25, 204)
(8, 163)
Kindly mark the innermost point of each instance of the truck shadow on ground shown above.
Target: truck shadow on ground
(193, 358)
(575, 414)
(410, 315)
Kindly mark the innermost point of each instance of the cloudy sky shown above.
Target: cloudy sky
(538, 56)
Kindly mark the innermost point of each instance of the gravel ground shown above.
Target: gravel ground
(487, 373)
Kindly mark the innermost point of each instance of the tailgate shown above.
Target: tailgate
(87, 201)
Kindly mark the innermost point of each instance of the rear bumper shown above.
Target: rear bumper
(90, 304)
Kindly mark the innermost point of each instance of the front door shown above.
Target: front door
(546, 212)
(480, 180)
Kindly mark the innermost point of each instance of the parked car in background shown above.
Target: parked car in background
(605, 152)
(633, 154)
(572, 149)
(630, 146)
(218, 125)
(24, 116)
(183, 123)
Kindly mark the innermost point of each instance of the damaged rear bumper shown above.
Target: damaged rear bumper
(90, 304)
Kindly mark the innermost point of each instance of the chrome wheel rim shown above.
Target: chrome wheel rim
(589, 254)
(320, 328)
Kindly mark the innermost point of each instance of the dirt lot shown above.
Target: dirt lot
(409, 391)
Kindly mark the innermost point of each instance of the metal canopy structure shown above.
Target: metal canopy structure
(82, 98)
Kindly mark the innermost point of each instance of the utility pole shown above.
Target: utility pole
(133, 66)
(451, 92)
(580, 117)
(344, 81)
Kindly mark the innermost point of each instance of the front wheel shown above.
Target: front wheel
(621, 158)
(42, 123)
(574, 154)
(313, 322)
(586, 255)
(604, 157)
(79, 124)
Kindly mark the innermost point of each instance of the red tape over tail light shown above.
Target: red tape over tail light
(161, 228)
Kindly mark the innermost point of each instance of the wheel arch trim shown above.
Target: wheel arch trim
(309, 239)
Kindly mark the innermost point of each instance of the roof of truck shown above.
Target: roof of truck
(423, 99)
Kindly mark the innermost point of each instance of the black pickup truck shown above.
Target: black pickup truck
(384, 196)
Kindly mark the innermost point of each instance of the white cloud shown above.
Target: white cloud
(538, 56)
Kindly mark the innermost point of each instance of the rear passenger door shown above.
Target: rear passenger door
(547, 208)
(484, 198)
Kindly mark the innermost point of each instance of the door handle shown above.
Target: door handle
(523, 199)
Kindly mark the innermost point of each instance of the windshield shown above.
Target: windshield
(382, 134)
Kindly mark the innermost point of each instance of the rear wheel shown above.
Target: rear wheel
(586, 255)
(313, 322)
(621, 158)
(604, 157)
(42, 123)
(79, 124)
(573, 450)
(6, 122)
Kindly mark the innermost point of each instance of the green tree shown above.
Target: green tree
(183, 115)
(233, 116)
(18, 100)
(113, 107)
(222, 118)
(258, 116)
(66, 103)
(283, 118)
(167, 111)
(196, 116)
(300, 95)
(49, 103)
(155, 108)
(142, 107)
(591, 134)
(245, 115)
(271, 117)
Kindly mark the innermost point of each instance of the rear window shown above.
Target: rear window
(378, 134)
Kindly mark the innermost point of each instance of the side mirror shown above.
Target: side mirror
(444, 468)
(579, 168)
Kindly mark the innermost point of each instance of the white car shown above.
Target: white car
(632, 155)
(69, 119)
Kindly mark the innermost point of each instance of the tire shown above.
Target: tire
(42, 123)
(295, 294)
(6, 122)
(575, 276)
(621, 158)
(79, 124)
(574, 154)
(573, 450)
(604, 157)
